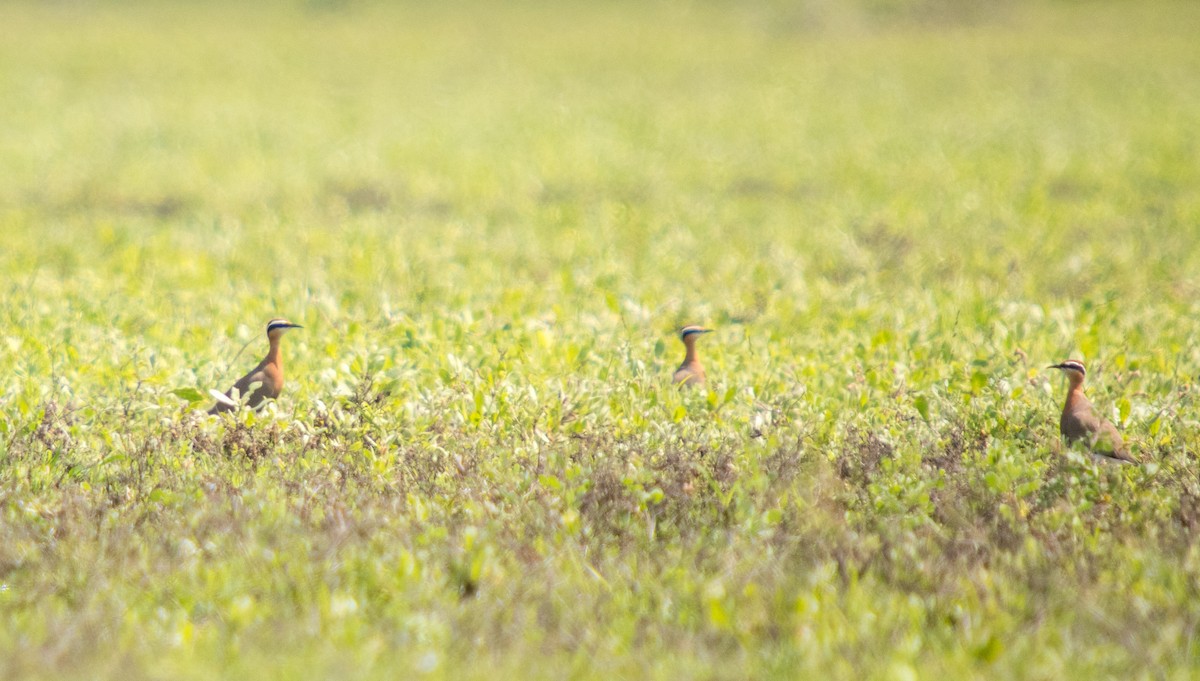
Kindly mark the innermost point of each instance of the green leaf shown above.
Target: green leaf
(978, 381)
(190, 394)
(922, 404)
(990, 650)
(610, 300)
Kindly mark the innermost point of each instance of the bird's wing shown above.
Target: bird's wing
(270, 382)
(247, 381)
(1082, 411)
(687, 376)
(243, 385)
(1108, 442)
(1081, 424)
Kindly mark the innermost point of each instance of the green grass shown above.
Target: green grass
(490, 219)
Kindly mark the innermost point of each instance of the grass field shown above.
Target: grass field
(491, 218)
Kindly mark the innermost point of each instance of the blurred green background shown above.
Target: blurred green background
(491, 218)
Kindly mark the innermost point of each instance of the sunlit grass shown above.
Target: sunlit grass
(490, 220)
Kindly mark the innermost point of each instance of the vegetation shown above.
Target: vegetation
(490, 219)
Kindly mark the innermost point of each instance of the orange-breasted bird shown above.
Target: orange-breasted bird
(1081, 423)
(691, 372)
(268, 374)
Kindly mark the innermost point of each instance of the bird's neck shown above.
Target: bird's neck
(1074, 395)
(690, 345)
(273, 355)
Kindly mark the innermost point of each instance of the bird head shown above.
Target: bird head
(1073, 368)
(692, 332)
(278, 327)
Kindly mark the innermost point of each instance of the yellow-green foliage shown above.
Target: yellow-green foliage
(490, 218)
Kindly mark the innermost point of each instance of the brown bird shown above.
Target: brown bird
(690, 372)
(268, 374)
(1081, 423)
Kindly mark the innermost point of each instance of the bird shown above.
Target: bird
(691, 372)
(268, 374)
(1081, 423)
